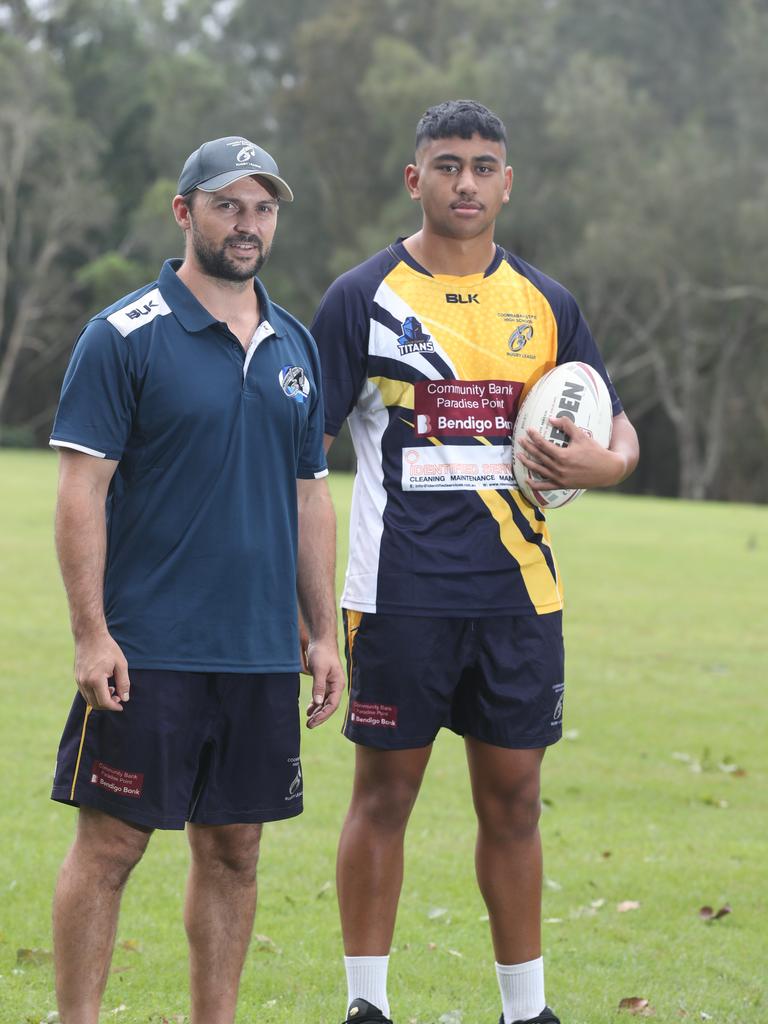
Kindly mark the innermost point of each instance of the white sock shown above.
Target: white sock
(522, 990)
(367, 979)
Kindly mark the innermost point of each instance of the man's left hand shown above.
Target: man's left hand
(582, 463)
(327, 681)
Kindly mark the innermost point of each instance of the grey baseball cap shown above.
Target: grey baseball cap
(222, 161)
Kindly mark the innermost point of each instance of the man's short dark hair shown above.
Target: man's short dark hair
(462, 118)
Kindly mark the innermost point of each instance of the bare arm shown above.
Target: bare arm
(316, 573)
(81, 542)
(583, 462)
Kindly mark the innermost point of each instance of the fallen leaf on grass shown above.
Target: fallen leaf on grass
(324, 888)
(435, 912)
(452, 1017)
(263, 944)
(729, 766)
(626, 905)
(454, 952)
(708, 914)
(132, 945)
(33, 957)
(707, 763)
(637, 1005)
(590, 910)
(712, 801)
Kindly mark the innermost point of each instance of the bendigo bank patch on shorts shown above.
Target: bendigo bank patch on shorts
(117, 781)
(373, 714)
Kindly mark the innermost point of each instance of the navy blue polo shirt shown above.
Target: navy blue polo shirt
(209, 440)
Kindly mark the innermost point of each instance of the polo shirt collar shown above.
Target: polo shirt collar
(190, 312)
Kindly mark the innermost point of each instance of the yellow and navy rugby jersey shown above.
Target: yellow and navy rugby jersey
(430, 371)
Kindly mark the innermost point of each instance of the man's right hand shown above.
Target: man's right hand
(101, 672)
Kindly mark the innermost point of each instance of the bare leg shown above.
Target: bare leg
(369, 869)
(220, 906)
(85, 909)
(505, 787)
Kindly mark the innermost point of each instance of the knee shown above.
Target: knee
(385, 806)
(108, 849)
(231, 850)
(510, 811)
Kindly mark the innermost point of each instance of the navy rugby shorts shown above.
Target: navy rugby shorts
(497, 679)
(210, 748)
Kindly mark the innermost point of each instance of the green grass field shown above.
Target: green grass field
(658, 795)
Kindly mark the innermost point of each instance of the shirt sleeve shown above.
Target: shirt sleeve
(97, 404)
(575, 343)
(340, 329)
(312, 462)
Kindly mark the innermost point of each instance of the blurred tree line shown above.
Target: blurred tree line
(637, 132)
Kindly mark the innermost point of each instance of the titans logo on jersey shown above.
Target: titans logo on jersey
(413, 338)
(431, 387)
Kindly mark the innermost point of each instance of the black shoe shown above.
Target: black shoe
(545, 1017)
(362, 1012)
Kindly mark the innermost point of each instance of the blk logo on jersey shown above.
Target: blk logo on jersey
(134, 314)
(413, 339)
(462, 300)
(294, 382)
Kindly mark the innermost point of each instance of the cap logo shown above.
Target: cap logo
(247, 153)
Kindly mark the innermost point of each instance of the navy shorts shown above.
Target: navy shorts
(210, 748)
(497, 679)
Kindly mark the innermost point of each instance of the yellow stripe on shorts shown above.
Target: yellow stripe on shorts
(354, 618)
(88, 711)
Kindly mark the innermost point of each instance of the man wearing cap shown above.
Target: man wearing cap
(192, 510)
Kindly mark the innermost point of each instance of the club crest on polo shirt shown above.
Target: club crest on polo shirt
(294, 382)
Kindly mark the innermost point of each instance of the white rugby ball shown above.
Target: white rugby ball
(575, 390)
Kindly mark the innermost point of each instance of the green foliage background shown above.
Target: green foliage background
(637, 132)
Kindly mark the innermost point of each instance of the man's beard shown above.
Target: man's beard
(217, 262)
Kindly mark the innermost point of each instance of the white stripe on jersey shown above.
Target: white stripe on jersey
(366, 520)
(383, 342)
(139, 312)
(54, 443)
